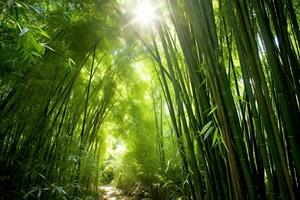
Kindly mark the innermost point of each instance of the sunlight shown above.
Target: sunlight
(141, 71)
(116, 147)
(145, 12)
(121, 148)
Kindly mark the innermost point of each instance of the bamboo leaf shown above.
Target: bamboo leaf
(205, 128)
(23, 31)
(208, 132)
(215, 136)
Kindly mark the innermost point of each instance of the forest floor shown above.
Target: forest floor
(112, 193)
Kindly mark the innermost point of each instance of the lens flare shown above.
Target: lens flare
(145, 13)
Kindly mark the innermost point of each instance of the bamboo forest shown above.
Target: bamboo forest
(149, 99)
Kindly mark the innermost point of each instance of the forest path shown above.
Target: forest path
(112, 193)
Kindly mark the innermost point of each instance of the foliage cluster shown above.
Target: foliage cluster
(201, 104)
(57, 84)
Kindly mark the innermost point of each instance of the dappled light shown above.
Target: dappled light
(142, 71)
(116, 146)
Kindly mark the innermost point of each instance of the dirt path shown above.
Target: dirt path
(112, 193)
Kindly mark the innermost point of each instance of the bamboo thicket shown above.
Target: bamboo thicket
(230, 74)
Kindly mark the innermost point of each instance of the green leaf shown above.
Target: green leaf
(41, 175)
(46, 46)
(23, 31)
(168, 165)
(212, 110)
(61, 190)
(205, 128)
(39, 193)
(208, 132)
(30, 193)
(215, 136)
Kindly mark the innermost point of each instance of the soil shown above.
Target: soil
(112, 193)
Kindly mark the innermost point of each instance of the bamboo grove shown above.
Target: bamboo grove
(52, 110)
(227, 72)
(230, 76)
